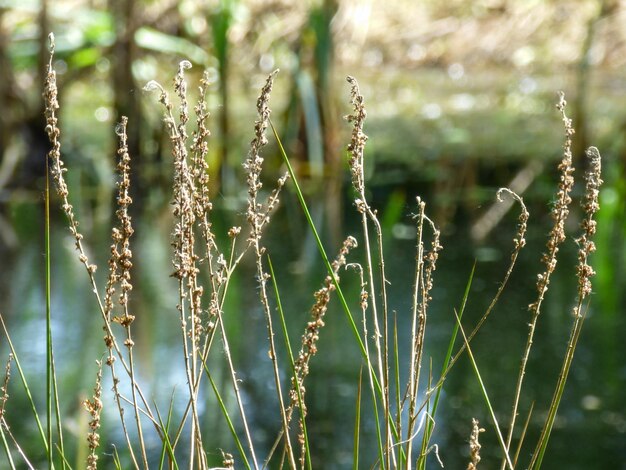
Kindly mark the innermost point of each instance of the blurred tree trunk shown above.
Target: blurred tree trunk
(221, 20)
(581, 140)
(32, 119)
(7, 103)
(126, 92)
(325, 58)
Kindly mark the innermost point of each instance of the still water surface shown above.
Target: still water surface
(590, 431)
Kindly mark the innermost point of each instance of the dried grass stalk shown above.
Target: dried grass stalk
(560, 211)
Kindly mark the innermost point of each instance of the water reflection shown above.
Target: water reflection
(592, 411)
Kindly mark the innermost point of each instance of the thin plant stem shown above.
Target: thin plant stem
(485, 394)
(416, 331)
(228, 420)
(48, 319)
(584, 272)
(5, 443)
(297, 383)
(560, 211)
(356, 163)
(254, 214)
(357, 423)
(20, 371)
(375, 384)
(445, 369)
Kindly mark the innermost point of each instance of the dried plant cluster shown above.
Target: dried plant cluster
(404, 407)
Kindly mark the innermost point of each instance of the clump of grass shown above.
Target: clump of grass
(404, 410)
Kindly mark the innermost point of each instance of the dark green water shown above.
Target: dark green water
(590, 431)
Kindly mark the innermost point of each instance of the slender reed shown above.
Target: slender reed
(356, 165)
(309, 342)
(426, 263)
(256, 217)
(4, 391)
(120, 264)
(57, 171)
(584, 272)
(560, 211)
(519, 242)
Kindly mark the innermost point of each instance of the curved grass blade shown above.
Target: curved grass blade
(167, 445)
(357, 423)
(444, 369)
(485, 394)
(342, 299)
(5, 444)
(33, 408)
(227, 417)
(292, 362)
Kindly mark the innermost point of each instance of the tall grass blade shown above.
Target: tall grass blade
(49, 371)
(444, 370)
(227, 417)
(320, 246)
(5, 444)
(342, 299)
(167, 445)
(33, 408)
(52, 391)
(283, 324)
(396, 357)
(524, 430)
(64, 461)
(542, 445)
(357, 423)
(484, 393)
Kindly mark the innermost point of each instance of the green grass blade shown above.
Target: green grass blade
(5, 444)
(61, 452)
(485, 395)
(320, 246)
(429, 425)
(33, 408)
(227, 417)
(167, 445)
(357, 423)
(292, 362)
(396, 355)
(49, 370)
(57, 413)
(116, 459)
(542, 445)
(524, 430)
(342, 299)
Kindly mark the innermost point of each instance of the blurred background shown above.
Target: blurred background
(460, 98)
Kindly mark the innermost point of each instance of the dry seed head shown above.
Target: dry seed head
(4, 390)
(590, 206)
(94, 408)
(430, 259)
(228, 461)
(519, 240)
(53, 158)
(318, 311)
(120, 261)
(560, 210)
(254, 162)
(474, 445)
(358, 139)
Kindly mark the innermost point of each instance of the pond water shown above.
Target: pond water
(589, 433)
